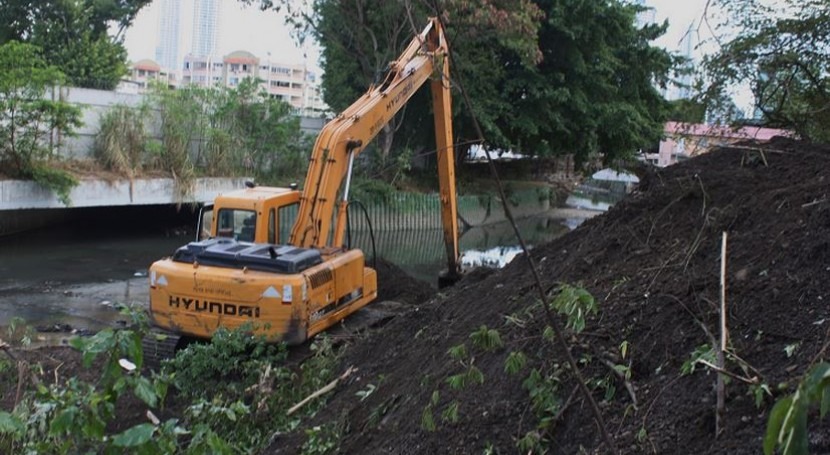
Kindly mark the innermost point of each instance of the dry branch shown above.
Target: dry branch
(328, 388)
(721, 386)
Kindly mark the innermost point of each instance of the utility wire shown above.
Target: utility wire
(552, 319)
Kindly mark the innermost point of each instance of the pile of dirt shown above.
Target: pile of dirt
(653, 265)
(396, 285)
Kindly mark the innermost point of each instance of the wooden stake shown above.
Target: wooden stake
(724, 335)
(328, 388)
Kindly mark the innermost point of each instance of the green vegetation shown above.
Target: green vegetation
(781, 50)
(205, 131)
(73, 35)
(33, 116)
(788, 421)
(230, 396)
(546, 77)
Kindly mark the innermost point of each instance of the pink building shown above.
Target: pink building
(685, 140)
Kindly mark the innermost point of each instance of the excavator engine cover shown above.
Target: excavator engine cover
(255, 256)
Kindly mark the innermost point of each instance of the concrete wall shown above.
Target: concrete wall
(93, 104)
(19, 194)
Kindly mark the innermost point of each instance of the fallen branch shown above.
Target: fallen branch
(56, 372)
(21, 371)
(810, 204)
(5, 348)
(566, 405)
(721, 386)
(732, 375)
(628, 386)
(328, 388)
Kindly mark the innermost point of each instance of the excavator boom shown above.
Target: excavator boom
(342, 139)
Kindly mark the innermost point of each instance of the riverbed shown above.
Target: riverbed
(75, 278)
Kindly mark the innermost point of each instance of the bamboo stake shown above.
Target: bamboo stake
(724, 334)
(328, 388)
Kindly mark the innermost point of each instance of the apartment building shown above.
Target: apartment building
(143, 72)
(292, 83)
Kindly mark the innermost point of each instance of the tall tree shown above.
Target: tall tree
(74, 35)
(360, 38)
(544, 76)
(32, 122)
(783, 50)
(594, 91)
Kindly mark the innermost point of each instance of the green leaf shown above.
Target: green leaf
(427, 420)
(458, 352)
(486, 339)
(135, 436)
(451, 413)
(63, 421)
(10, 423)
(514, 362)
(775, 423)
(145, 391)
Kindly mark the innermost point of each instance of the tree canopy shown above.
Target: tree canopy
(74, 35)
(545, 77)
(783, 52)
(31, 121)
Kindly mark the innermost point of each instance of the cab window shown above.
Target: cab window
(272, 226)
(236, 224)
(287, 217)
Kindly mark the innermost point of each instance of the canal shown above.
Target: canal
(77, 275)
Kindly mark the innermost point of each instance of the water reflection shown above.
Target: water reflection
(493, 258)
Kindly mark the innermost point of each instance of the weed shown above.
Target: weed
(321, 440)
(450, 414)
(486, 339)
(703, 352)
(575, 303)
(788, 422)
(515, 362)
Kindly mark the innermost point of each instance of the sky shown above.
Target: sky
(241, 28)
(261, 32)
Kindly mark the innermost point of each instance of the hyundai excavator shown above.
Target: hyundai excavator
(295, 281)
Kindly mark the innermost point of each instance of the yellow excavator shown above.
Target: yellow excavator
(277, 257)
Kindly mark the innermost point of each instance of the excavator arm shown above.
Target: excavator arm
(426, 58)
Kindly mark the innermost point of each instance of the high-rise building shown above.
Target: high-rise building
(167, 50)
(205, 28)
(647, 16)
(687, 47)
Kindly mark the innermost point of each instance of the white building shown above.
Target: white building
(205, 28)
(167, 50)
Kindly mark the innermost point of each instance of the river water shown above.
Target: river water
(76, 276)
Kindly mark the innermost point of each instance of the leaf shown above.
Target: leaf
(458, 352)
(427, 421)
(145, 391)
(514, 362)
(774, 424)
(63, 421)
(10, 423)
(135, 436)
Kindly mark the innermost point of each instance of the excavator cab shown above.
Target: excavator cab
(257, 214)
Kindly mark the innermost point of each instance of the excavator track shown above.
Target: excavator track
(158, 345)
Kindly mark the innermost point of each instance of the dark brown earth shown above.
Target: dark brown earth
(653, 264)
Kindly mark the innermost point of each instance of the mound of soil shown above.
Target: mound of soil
(653, 265)
(395, 284)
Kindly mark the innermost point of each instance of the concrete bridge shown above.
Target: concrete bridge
(25, 205)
